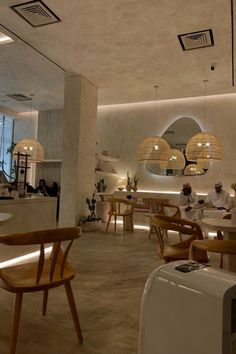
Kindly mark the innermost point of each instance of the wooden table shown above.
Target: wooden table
(229, 230)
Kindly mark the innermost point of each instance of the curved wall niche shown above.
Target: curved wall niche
(177, 135)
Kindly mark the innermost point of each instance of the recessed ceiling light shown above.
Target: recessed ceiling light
(5, 39)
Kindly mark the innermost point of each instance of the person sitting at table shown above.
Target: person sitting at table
(187, 197)
(219, 198)
(42, 187)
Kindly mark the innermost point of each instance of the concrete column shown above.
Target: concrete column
(79, 148)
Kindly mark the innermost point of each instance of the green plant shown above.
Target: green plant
(129, 181)
(136, 181)
(101, 186)
(91, 205)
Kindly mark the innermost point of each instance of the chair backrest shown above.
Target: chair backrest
(183, 227)
(201, 247)
(180, 225)
(42, 238)
(119, 205)
(165, 209)
(227, 216)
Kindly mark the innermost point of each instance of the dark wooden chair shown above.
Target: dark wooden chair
(220, 237)
(41, 274)
(176, 251)
(121, 207)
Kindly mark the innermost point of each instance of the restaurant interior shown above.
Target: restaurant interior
(117, 177)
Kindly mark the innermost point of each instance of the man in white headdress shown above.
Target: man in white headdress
(187, 197)
(219, 198)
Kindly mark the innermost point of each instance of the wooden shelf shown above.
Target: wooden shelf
(107, 158)
(105, 173)
(51, 161)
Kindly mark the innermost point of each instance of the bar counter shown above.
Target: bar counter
(29, 214)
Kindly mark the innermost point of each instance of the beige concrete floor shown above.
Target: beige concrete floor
(111, 274)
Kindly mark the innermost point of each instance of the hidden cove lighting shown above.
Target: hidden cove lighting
(5, 39)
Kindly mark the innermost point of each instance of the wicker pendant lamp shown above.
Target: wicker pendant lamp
(193, 170)
(203, 163)
(30, 147)
(176, 161)
(204, 145)
(154, 149)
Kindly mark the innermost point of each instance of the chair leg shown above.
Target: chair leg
(180, 237)
(115, 224)
(108, 222)
(74, 313)
(45, 302)
(132, 223)
(221, 260)
(16, 321)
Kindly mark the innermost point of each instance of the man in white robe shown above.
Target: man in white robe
(219, 198)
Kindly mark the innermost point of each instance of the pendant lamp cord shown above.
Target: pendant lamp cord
(156, 87)
(204, 113)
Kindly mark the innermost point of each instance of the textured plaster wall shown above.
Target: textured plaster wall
(121, 128)
(50, 134)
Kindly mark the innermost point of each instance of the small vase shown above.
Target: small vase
(128, 187)
(135, 188)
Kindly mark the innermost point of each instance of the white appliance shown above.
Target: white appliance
(188, 308)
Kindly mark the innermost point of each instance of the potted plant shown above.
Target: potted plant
(90, 222)
(135, 186)
(129, 183)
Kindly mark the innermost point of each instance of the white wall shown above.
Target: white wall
(121, 128)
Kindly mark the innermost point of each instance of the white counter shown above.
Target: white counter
(29, 214)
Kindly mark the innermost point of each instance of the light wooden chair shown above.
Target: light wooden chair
(216, 246)
(180, 250)
(164, 209)
(41, 274)
(121, 207)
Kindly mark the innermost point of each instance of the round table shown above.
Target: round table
(4, 218)
(229, 230)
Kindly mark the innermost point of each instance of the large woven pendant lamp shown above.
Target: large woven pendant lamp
(203, 163)
(176, 161)
(30, 147)
(154, 149)
(204, 145)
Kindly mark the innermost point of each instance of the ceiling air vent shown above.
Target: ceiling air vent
(36, 13)
(19, 97)
(196, 40)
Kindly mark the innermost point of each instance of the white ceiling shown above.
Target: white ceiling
(123, 46)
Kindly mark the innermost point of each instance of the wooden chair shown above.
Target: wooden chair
(180, 250)
(201, 247)
(162, 209)
(121, 207)
(41, 274)
(220, 237)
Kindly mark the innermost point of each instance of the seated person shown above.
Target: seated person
(29, 188)
(54, 190)
(42, 187)
(187, 197)
(219, 198)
